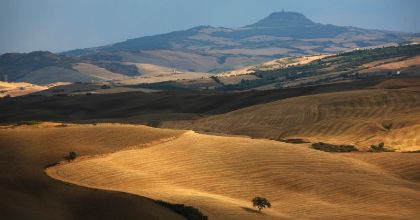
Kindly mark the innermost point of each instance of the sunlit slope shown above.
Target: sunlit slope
(17, 89)
(355, 117)
(27, 193)
(220, 175)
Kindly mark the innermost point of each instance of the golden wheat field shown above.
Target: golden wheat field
(27, 193)
(220, 174)
(362, 118)
(17, 89)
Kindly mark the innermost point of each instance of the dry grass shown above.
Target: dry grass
(220, 175)
(147, 69)
(253, 52)
(27, 193)
(274, 64)
(98, 72)
(19, 88)
(236, 79)
(353, 117)
(387, 65)
(165, 77)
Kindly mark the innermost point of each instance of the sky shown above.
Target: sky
(60, 25)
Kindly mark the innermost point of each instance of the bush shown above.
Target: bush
(216, 79)
(387, 126)
(415, 151)
(333, 148)
(188, 212)
(105, 87)
(380, 148)
(294, 141)
(260, 203)
(71, 156)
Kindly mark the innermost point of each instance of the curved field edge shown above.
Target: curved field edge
(27, 193)
(361, 118)
(219, 175)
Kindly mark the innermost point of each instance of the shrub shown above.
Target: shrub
(216, 79)
(387, 126)
(154, 124)
(294, 141)
(415, 151)
(105, 87)
(71, 156)
(260, 203)
(188, 212)
(333, 148)
(380, 148)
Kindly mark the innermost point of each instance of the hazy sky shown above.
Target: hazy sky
(58, 25)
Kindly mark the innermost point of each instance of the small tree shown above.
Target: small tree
(72, 155)
(260, 203)
(387, 126)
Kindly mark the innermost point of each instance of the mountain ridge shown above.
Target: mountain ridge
(203, 49)
(285, 23)
(284, 18)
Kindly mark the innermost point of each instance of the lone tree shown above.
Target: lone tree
(71, 156)
(261, 203)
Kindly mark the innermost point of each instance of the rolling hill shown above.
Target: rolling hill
(27, 193)
(359, 117)
(42, 67)
(220, 176)
(18, 89)
(322, 120)
(134, 104)
(318, 69)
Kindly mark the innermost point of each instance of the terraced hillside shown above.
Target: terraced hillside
(389, 113)
(27, 193)
(220, 176)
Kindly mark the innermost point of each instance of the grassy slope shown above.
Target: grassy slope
(220, 175)
(27, 193)
(351, 117)
(19, 89)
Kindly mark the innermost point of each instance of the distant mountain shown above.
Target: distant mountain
(278, 19)
(217, 48)
(207, 48)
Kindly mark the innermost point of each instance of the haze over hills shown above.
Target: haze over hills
(278, 34)
(199, 49)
